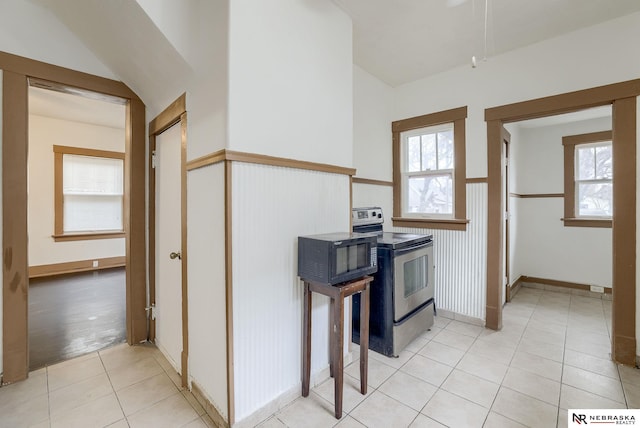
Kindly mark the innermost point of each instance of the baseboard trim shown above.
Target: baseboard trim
(561, 284)
(208, 406)
(77, 266)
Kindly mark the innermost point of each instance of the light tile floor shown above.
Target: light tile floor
(551, 355)
(122, 386)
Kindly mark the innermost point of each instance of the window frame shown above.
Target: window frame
(457, 221)
(59, 234)
(570, 143)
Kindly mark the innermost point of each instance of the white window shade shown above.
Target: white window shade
(92, 193)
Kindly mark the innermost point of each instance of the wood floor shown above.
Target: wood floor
(75, 314)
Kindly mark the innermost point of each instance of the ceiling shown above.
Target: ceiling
(77, 108)
(400, 41)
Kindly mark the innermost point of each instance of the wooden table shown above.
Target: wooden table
(337, 294)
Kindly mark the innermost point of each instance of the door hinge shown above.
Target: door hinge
(153, 159)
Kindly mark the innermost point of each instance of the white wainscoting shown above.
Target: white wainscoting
(272, 206)
(206, 285)
(460, 259)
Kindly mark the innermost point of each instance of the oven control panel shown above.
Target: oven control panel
(368, 215)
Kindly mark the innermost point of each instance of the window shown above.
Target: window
(588, 179)
(89, 198)
(429, 171)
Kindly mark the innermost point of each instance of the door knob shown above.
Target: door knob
(175, 255)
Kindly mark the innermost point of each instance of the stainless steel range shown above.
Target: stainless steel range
(402, 300)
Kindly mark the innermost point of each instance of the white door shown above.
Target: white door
(168, 312)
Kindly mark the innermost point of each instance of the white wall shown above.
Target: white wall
(290, 95)
(290, 80)
(544, 247)
(1, 238)
(44, 133)
(206, 289)
(31, 31)
(372, 116)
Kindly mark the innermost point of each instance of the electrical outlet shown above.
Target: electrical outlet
(597, 289)
(95, 263)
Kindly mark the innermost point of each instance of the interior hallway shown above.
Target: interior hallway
(551, 355)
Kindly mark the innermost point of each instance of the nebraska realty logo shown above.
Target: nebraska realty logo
(581, 417)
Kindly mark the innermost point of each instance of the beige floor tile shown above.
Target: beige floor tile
(409, 390)
(629, 375)
(380, 410)
(43, 424)
(497, 353)
(139, 370)
(442, 353)
(417, 344)
(563, 422)
(550, 351)
(431, 333)
(377, 372)
(196, 423)
(426, 369)
(464, 328)
(173, 411)
(604, 367)
(441, 322)
(351, 395)
(395, 362)
(145, 393)
(34, 386)
(312, 411)
(97, 413)
(122, 423)
(208, 421)
(272, 422)
(534, 413)
(471, 387)
(537, 365)
(455, 340)
(422, 421)
(574, 398)
(594, 383)
(495, 420)
(533, 385)
(124, 354)
(453, 411)
(553, 337)
(632, 395)
(65, 399)
(349, 422)
(23, 412)
(73, 371)
(483, 367)
(194, 402)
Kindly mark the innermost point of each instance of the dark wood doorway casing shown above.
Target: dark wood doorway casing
(16, 73)
(175, 113)
(622, 96)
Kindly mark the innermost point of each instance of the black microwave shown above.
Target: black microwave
(333, 258)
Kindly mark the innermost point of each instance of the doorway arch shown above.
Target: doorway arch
(622, 98)
(16, 72)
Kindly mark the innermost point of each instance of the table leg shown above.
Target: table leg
(364, 338)
(331, 344)
(306, 341)
(338, 361)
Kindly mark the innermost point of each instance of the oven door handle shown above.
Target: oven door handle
(412, 248)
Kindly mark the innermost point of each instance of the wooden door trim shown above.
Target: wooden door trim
(506, 138)
(16, 74)
(623, 97)
(175, 113)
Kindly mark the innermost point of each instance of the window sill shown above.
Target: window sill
(587, 222)
(431, 223)
(87, 236)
